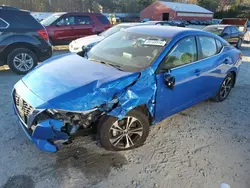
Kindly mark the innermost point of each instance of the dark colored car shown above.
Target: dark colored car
(130, 80)
(23, 40)
(178, 23)
(229, 32)
(65, 27)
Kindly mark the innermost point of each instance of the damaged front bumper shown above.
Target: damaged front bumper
(46, 135)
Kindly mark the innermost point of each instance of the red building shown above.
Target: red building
(161, 10)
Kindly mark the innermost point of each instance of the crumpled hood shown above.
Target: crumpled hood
(70, 82)
(89, 40)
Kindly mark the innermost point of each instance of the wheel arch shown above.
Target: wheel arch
(14, 46)
(144, 108)
(234, 73)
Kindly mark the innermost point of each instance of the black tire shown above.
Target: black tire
(16, 53)
(104, 131)
(239, 43)
(219, 96)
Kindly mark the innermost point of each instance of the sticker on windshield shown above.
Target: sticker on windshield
(155, 42)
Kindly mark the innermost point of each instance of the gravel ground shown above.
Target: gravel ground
(200, 147)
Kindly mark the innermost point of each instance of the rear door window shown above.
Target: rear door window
(103, 19)
(208, 47)
(83, 20)
(3, 24)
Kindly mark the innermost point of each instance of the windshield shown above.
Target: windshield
(214, 29)
(112, 30)
(128, 51)
(48, 21)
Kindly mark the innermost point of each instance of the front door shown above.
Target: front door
(63, 30)
(181, 64)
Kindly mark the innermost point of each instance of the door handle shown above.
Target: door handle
(197, 72)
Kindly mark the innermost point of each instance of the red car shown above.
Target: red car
(65, 27)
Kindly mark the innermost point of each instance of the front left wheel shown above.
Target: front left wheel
(127, 133)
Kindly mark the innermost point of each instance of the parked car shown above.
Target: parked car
(228, 32)
(23, 40)
(66, 27)
(88, 42)
(178, 23)
(145, 20)
(130, 80)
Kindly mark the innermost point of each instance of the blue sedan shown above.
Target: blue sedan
(123, 85)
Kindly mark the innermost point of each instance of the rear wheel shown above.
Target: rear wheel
(125, 134)
(225, 88)
(21, 60)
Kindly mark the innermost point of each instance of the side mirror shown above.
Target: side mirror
(169, 81)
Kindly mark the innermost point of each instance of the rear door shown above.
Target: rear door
(83, 26)
(213, 63)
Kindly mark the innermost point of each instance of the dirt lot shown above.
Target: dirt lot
(200, 147)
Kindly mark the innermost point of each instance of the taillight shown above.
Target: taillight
(43, 33)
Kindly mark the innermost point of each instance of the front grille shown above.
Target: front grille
(24, 109)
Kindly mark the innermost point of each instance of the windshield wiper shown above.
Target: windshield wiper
(108, 64)
(111, 65)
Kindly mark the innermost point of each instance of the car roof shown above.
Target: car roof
(162, 31)
(219, 25)
(129, 24)
(4, 7)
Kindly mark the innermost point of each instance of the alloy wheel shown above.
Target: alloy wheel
(226, 87)
(23, 62)
(126, 133)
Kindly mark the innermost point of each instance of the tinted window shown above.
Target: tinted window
(21, 20)
(67, 21)
(103, 19)
(219, 46)
(3, 24)
(183, 53)
(227, 31)
(83, 20)
(208, 47)
(234, 30)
